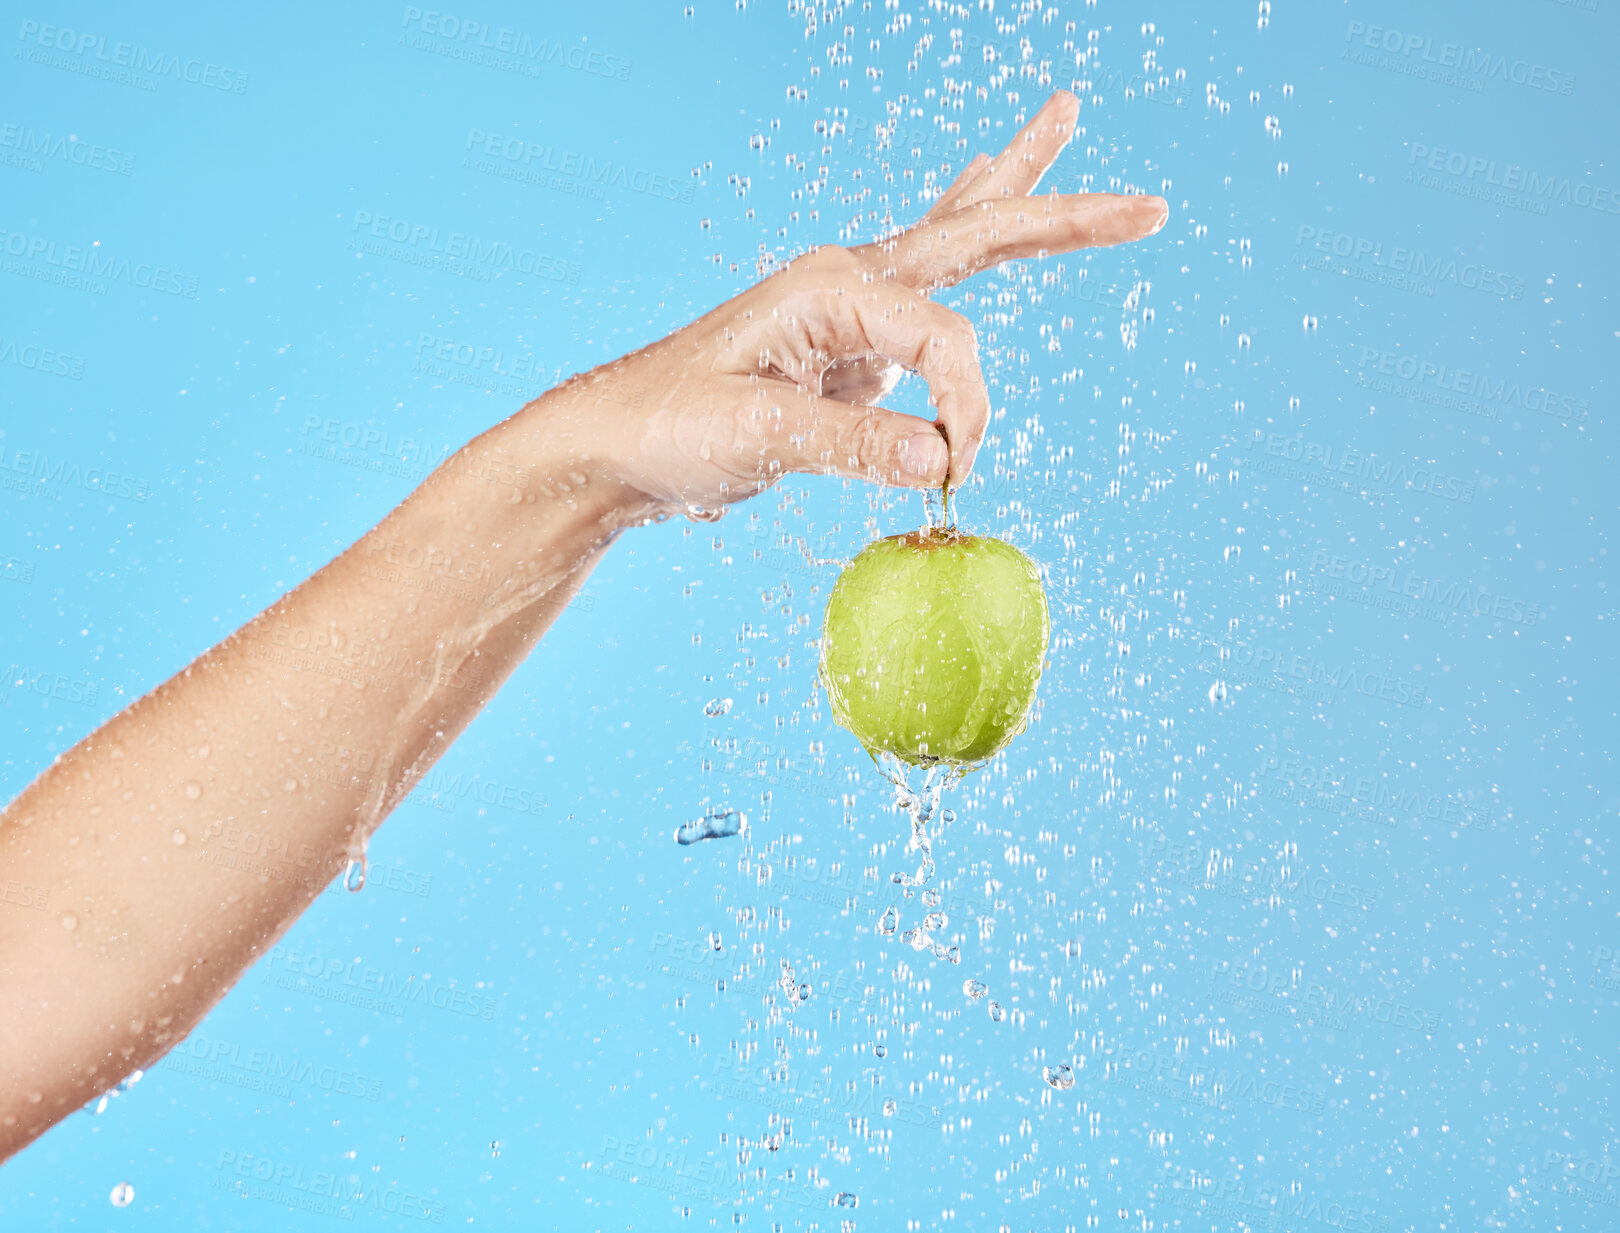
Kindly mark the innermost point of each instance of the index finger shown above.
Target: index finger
(941, 252)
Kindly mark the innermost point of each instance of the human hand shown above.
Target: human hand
(787, 376)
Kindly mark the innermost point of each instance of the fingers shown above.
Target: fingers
(824, 436)
(931, 340)
(1017, 170)
(952, 197)
(940, 252)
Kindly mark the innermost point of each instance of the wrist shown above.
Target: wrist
(556, 459)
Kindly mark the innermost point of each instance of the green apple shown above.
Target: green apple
(933, 646)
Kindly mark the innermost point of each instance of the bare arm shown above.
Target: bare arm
(392, 648)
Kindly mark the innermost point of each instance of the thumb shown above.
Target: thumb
(825, 436)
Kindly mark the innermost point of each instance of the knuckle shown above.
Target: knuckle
(832, 262)
(862, 443)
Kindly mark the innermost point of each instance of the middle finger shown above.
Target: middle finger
(941, 252)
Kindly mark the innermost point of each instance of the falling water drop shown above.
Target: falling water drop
(975, 989)
(354, 875)
(122, 1195)
(717, 707)
(1060, 1077)
(718, 824)
(997, 1011)
(845, 1199)
(890, 921)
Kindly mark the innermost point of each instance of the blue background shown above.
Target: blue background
(1309, 884)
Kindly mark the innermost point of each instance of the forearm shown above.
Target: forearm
(292, 740)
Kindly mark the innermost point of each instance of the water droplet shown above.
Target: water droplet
(122, 1195)
(1060, 1077)
(178, 837)
(495, 1147)
(193, 789)
(997, 1011)
(1217, 692)
(975, 989)
(890, 1107)
(70, 921)
(890, 921)
(1310, 322)
(880, 1049)
(354, 875)
(717, 707)
(845, 1199)
(719, 824)
(698, 513)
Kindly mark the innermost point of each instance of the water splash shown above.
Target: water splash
(123, 1086)
(921, 803)
(1060, 1077)
(718, 824)
(354, 874)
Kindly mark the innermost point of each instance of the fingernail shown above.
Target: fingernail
(923, 455)
(1164, 215)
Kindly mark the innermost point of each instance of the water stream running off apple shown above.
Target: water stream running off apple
(922, 803)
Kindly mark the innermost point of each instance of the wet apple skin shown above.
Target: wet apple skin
(933, 646)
